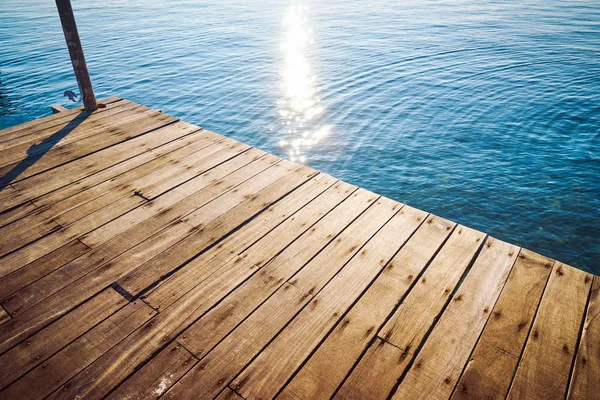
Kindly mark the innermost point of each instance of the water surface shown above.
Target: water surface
(483, 112)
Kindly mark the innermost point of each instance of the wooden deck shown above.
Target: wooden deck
(142, 256)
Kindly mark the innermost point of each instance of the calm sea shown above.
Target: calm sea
(483, 112)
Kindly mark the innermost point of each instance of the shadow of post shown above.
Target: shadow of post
(37, 151)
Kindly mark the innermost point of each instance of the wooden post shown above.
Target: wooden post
(67, 19)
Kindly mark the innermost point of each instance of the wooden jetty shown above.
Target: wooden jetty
(144, 257)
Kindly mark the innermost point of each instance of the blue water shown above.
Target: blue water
(483, 112)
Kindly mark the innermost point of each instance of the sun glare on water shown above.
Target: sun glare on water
(299, 106)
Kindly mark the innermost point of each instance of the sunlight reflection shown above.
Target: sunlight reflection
(299, 106)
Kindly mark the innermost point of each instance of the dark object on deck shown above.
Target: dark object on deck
(67, 19)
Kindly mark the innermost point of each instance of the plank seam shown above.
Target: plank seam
(126, 295)
(579, 337)
(40, 361)
(176, 120)
(354, 302)
(288, 281)
(111, 166)
(393, 311)
(529, 331)
(435, 320)
(225, 236)
(484, 326)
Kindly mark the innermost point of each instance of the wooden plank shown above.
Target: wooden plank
(39, 347)
(37, 185)
(227, 359)
(40, 268)
(436, 370)
(43, 139)
(53, 119)
(55, 157)
(184, 280)
(142, 344)
(271, 244)
(274, 366)
(80, 267)
(203, 162)
(414, 316)
(59, 238)
(152, 380)
(33, 318)
(91, 222)
(17, 237)
(585, 382)
(328, 366)
(491, 366)
(59, 368)
(57, 108)
(15, 214)
(138, 165)
(271, 272)
(219, 218)
(226, 169)
(545, 365)
(66, 206)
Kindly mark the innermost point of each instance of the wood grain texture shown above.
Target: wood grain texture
(329, 365)
(545, 365)
(584, 381)
(494, 360)
(439, 363)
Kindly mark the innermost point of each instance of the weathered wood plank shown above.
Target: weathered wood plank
(155, 220)
(227, 359)
(40, 268)
(152, 380)
(494, 360)
(184, 280)
(144, 342)
(55, 157)
(218, 322)
(438, 365)
(585, 381)
(45, 343)
(122, 171)
(545, 365)
(59, 368)
(41, 140)
(263, 250)
(106, 273)
(37, 185)
(53, 119)
(273, 367)
(219, 218)
(329, 365)
(71, 206)
(414, 317)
